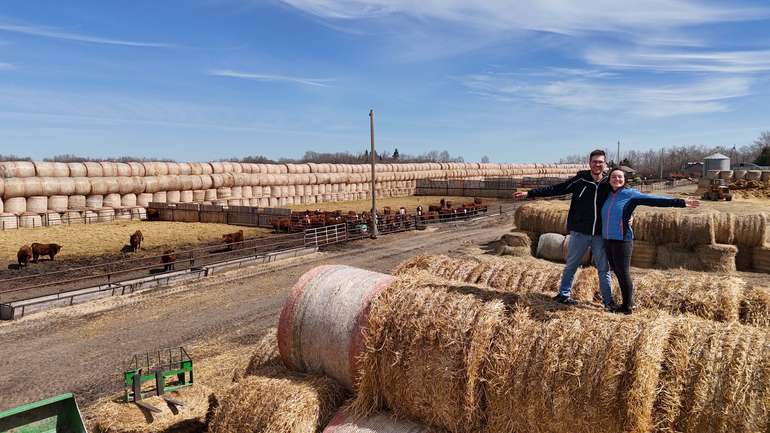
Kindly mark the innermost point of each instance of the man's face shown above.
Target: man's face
(597, 164)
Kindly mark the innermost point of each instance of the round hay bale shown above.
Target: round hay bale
(17, 169)
(127, 185)
(696, 229)
(155, 168)
(185, 197)
(724, 229)
(138, 213)
(109, 169)
(111, 200)
(14, 187)
(753, 175)
(76, 202)
(105, 215)
(717, 257)
(95, 201)
(542, 217)
(128, 200)
(643, 254)
(137, 169)
(199, 196)
(77, 169)
(712, 174)
(123, 213)
(8, 221)
(37, 204)
(59, 203)
(123, 170)
(30, 220)
(660, 226)
(65, 186)
(751, 230)
(211, 195)
(173, 196)
(90, 217)
(319, 329)
(761, 259)
(765, 177)
(224, 193)
(104, 185)
(382, 422)
(280, 401)
(2, 206)
(143, 199)
(159, 197)
(93, 169)
(416, 327)
(739, 174)
(51, 169)
(51, 219)
(72, 217)
(726, 174)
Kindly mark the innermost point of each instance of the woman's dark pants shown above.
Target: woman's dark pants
(619, 256)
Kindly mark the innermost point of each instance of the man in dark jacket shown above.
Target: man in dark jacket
(589, 189)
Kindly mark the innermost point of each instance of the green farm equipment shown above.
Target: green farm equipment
(167, 370)
(58, 414)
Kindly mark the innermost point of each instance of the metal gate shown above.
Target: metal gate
(326, 235)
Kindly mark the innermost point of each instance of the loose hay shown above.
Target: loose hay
(516, 239)
(505, 250)
(279, 402)
(513, 275)
(265, 353)
(755, 307)
(426, 349)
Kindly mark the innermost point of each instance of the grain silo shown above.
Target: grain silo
(716, 161)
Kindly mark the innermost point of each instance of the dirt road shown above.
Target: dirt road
(82, 348)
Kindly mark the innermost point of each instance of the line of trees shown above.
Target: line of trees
(356, 158)
(650, 163)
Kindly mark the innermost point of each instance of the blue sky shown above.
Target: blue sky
(519, 81)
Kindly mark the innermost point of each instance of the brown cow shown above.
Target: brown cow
(168, 259)
(281, 224)
(136, 241)
(49, 250)
(231, 238)
(24, 255)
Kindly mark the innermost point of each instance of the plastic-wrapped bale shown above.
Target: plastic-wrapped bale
(128, 200)
(628, 374)
(320, 325)
(383, 422)
(30, 220)
(37, 204)
(8, 221)
(95, 201)
(159, 197)
(16, 205)
(17, 169)
(517, 275)
(59, 203)
(144, 199)
(278, 401)
(173, 196)
(554, 246)
(111, 200)
(761, 258)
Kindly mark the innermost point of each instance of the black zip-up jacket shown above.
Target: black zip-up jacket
(588, 197)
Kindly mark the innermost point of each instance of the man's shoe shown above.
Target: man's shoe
(566, 300)
(624, 310)
(611, 307)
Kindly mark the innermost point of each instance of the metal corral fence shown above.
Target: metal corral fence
(236, 215)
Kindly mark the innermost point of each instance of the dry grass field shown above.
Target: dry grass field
(410, 203)
(91, 240)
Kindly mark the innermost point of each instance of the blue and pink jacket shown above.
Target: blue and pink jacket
(619, 207)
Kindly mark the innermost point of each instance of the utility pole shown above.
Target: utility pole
(618, 153)
(374, 194)
(660, 163)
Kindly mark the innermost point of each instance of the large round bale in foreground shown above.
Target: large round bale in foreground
(427, 345)
(584, 372)
(319, 329)
(277, 402)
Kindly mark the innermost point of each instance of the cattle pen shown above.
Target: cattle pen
(25, 294)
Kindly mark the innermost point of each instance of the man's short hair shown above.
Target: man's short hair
(597, 152)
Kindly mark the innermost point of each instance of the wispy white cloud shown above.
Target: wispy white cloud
(318, 82)
(7, 66)
(682, 61)
(58, 34)
(558, 16)
(650, 100)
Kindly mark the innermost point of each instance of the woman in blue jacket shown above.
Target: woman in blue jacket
(617, 233)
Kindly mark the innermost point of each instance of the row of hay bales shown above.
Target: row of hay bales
(9, 221)
(10, 169)
(464, 358)
(732, 175)
(702, 240)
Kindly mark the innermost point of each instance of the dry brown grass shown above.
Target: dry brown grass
(426, 349)
(279, 401)
(108, 238)
(409, 202)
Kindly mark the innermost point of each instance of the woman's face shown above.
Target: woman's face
(617, 179)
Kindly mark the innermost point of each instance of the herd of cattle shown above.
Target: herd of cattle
(300, 221)
(35, 251)
(296, 222)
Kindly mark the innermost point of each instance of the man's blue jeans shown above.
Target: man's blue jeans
(576, 249)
